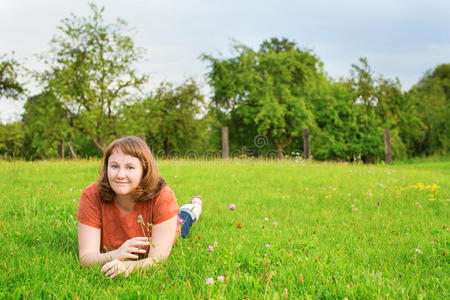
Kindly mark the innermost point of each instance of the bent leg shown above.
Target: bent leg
(187, 223)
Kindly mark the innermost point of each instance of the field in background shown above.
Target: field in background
(306, 231)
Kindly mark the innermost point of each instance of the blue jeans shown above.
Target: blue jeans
(187, 223)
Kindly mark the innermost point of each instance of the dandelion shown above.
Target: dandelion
(220, 278)
(266, 219)
(209, 281)
(233, 206)
(210, 248)
(419, 251)
(267, 246)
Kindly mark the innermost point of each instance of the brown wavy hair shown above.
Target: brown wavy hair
(151, 183)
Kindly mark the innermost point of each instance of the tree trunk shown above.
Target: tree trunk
(142, 137)
(280, 152)
(387, 146)
(74, 156)
(280, 147)
(225, 145)
(61, 149)
(167, 149)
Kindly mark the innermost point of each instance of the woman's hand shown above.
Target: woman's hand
(129, 247)
(117, 267)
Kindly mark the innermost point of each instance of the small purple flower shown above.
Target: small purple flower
(180, 221)
(140, 219)
(419, 251)
(378, 203)
(210, 248)
(220, 278)
(267, 245)
(210, 281)
(233, 206)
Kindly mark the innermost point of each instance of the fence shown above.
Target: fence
(259, 141)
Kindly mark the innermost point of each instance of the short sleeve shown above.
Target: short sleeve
(165, 206)
(89, 208)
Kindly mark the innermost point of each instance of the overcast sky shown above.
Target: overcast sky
(400, 38)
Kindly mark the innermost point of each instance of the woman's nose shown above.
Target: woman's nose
(121, 173)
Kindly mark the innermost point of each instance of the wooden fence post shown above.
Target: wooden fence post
(306, 147)
(225, 145)
(387, 146)
(61, 149)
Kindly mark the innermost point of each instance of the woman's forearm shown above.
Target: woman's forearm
(148, 262)
(97, 258)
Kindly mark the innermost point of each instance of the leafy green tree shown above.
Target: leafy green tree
(268, 90)
(45, 125)
(91, 73)
(429, 101)
(11, 139)
(168, 117)
(337, 122)
(378, 102)
(9, 84)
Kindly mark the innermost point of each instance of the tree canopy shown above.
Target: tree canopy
(267, 89)
(9, 84)
(91, 73)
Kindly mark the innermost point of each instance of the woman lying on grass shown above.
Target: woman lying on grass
(128, 218)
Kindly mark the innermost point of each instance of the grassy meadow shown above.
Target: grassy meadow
(314, 230)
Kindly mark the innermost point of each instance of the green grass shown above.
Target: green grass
(331, 239)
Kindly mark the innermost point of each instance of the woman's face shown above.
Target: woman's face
(124, 172)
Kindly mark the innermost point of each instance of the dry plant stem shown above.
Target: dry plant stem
(267, 285)
(190, 288)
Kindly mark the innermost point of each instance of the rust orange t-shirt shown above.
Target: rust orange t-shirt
(116, 229)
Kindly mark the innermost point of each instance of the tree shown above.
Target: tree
(168, 117)
(11, 139)
(377, 104)
(91, 73)
(45, 125)
(9, 85)
(268, 90)
(429, 100)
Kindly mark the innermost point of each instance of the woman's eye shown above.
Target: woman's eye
(114, 167)
(130, 168)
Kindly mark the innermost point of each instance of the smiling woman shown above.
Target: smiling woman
(130, 212)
